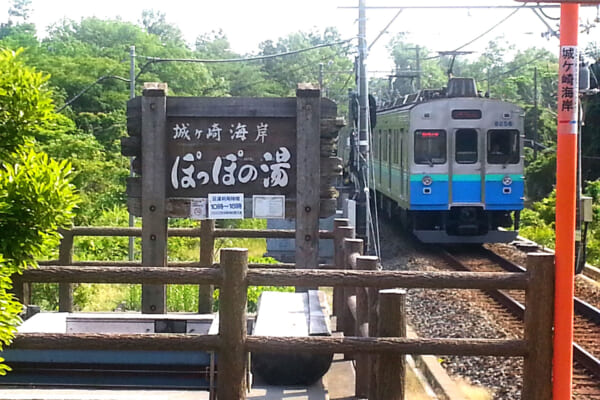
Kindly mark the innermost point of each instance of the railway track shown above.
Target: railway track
(586, 346)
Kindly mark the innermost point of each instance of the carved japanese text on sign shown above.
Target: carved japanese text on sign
(231, 155)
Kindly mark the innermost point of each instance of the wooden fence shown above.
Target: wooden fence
(357, 290)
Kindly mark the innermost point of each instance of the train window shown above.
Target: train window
(503, 146)
(430, 147)
(376, 144)
(466, 146)
(395, 145)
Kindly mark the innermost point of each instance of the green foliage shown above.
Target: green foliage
(541, 176)
(26, 108)
(9, 312)
(36, 197)
(538, 224)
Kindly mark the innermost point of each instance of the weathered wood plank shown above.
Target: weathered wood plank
(180, 208)
(91, 341)
(65, 257)
(389, 279)
(232, 325)
(282, 277)
(539, 318)
(207, 248)
(307, 170)
(154, 214)
(330, 344)
(131, 146)
(147, 275)
(193, 232)
(391, 368)
(190, 107)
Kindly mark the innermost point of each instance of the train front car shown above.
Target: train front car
(460, 171)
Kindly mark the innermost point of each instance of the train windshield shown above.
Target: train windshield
(466, 146)
(430, 147)
(503, 146)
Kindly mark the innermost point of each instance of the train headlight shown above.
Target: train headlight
(507, 180)
(427, 181)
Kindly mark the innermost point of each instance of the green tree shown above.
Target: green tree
(286, 72)
(36, 197)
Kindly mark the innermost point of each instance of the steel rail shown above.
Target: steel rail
(583, 357)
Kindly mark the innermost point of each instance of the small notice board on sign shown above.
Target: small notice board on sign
(226, 206)
(268, 206)
(199, 208)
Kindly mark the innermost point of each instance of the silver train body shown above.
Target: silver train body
(450, 165)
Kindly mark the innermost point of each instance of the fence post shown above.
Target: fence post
(65, 257)
(539, 315)
(207, 246)
(346, 232)
(373, 296)
(352, 249)
(391, 367)
(231, 381)
(362, 368)
(338, 257)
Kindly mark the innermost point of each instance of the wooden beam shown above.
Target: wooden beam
(154, 215)
(308, 170)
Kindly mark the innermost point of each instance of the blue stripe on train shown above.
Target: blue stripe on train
(432, 197)
(504, 197)
(466, 191)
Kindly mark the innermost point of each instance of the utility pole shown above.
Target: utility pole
(363, 128)
(131, 96)
(535, 113)
(321, 78)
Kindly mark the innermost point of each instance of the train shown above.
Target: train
(448, 163)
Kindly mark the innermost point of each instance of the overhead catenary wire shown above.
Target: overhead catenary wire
(245, 59)
(153, 60)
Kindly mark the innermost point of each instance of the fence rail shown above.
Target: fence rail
(357, 284)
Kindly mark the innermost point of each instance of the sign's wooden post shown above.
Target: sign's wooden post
(154, 214)
(308, 122)
(207, 245)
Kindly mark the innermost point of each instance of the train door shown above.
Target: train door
(466, 168)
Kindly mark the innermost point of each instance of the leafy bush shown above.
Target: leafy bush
(36, 196)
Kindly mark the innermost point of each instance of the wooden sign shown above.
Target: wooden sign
(228, 154)
(232, 145)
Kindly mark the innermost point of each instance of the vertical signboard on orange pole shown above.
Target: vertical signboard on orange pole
(566, 177)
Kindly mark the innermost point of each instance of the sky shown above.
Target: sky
(246, 23)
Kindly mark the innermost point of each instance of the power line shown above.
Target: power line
(153, 60)
(82, 92)
(492, 28)
(235, 60)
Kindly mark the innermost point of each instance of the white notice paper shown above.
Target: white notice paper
(198, 208)
(225, 205)
(268, 206)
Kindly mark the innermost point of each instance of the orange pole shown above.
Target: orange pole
(566, 176)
